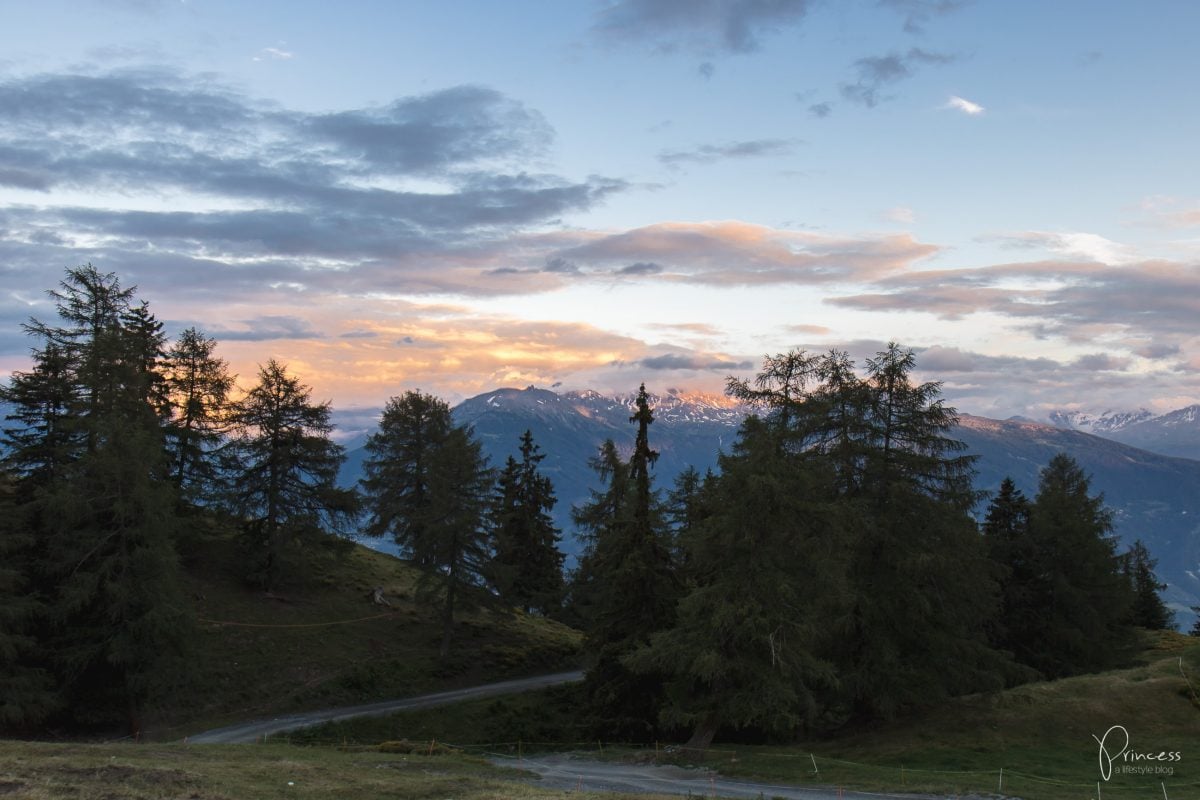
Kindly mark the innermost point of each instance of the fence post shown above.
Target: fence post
(1000, 788)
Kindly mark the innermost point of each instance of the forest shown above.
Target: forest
(840, 567)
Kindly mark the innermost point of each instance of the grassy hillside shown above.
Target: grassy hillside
(34, 771)
(322, 641)
(1040, 734)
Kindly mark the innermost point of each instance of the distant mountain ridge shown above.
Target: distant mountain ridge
(1176, 433)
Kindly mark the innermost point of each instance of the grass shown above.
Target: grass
(1040, 734)
(325, 643)
(38, 771)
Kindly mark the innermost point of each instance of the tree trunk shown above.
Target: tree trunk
(448, 617)
(703, 735)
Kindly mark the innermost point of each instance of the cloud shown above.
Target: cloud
(710, 153)
(965, 106)
(641, 268)
(1146, 308)
(874, 73)
(691, 362)
(918, 13)
(703, 26)
(821, 110)
(696, 328)
(407, 197)
(265, 328)
(743, 254)
(901, 214)
(273, 54)
(1073, 244)
(706, 70)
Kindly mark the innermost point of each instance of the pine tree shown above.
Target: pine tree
(197, 390)
(528, 563)
(1148, 610)
(634, 590)
(1195, 629)
(283, 469)
(398, 470)
(768, 572)
(1083, 623)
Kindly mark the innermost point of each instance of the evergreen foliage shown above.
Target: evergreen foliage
(1082, 622)
(1148, 609)
(398, 471)
(458, 540)
(197, 386)
(90, 487)
(283, 469)
(528, 563)
(428, 485)
(27, 693)
(631, 586)
(746, 650)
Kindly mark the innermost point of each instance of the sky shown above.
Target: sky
(573, 194)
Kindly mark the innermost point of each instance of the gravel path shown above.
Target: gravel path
(573, 772)
(245, 732)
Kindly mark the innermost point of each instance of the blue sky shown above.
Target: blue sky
(457, 196)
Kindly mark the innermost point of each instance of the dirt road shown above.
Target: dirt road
(251, 731)
(573, 772)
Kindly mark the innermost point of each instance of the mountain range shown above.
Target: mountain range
(1155, 496)
(1176, 433)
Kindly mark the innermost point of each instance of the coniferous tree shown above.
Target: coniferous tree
(1195, 629)
(398, 471)
(528, 563)
(633, 591)
(428, 485)
(27, 692)
(921, 585)
(594, 520)
(282, 470)
(1014, 550)
(197, 390)
(1148, 609)
(457, 539)
(42, 435)
(118, 620)
(1083, 624)
(766, 563)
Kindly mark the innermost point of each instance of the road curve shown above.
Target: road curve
(573, 772)
(252, 731)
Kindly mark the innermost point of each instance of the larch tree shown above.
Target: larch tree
(458, 545)
(766, 569)
(428, 486)
(282, 470)
(398, 470)
(198, 385)
(119, 621)
(921, 586)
